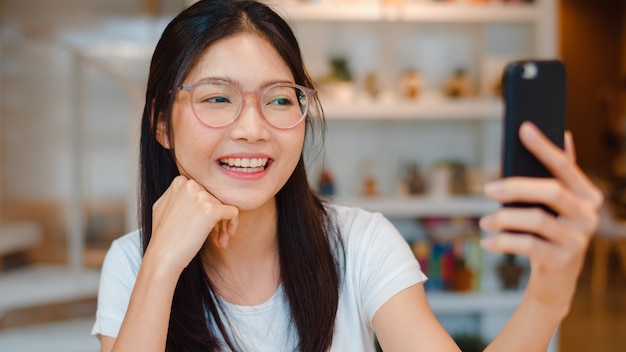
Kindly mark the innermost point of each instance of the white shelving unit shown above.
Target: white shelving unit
(412, 11)
(15, 237)
(476, 117)
(43, 284)
(465, 109)
(542, 14)
(425, 206)
(344, 27)
(473, 303)
(492, 305)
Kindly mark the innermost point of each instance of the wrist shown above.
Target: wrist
(550, 310)
(160, 266)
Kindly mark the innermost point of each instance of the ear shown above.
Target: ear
(161, 131)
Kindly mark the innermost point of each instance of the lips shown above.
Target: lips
(246, 165)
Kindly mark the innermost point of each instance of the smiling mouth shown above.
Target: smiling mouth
(244, 164)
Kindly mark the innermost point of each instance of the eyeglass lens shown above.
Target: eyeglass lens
(218, 104)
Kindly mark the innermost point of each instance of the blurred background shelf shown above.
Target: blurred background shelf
(18, 236)
(424, 206)
(424, 12)
(40, 285)
(63, 336)
(443, 109)
(472, 303)
(432, 37)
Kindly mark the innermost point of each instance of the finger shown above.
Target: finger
(508, 243)
(535, 249)
(225, 228)
(558, 163)
(176, 184)
(233, 224)
(536, 190)
(163, 203)
(195, 187)
(570, 149)
(224, 235)
(223, 239)
(214, 236)
(532, 221)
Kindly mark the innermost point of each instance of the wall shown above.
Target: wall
(39, 149)
(37, 160)
(64, 69)
(49, 12)
(619, 166)
(591, 48)
(388, 49)
(44, 72)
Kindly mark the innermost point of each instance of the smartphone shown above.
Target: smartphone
(533, 90)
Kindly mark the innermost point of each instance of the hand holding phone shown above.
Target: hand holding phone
(533, 90)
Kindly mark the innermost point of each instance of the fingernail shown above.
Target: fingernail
(487, 242)
(485, 222)
(528, 129)
(493, 188)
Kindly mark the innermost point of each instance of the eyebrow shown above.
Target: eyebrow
(237, 84)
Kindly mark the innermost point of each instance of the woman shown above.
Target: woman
(236, 252)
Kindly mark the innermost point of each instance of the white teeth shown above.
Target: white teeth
(244, 163)
(255, 163)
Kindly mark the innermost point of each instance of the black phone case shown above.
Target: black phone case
(533, 91)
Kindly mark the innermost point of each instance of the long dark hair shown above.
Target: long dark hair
(308, 240)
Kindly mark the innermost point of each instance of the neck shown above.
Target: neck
(247, 271)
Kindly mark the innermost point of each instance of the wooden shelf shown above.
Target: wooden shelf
(425, 206)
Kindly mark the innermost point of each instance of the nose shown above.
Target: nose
(250, 124)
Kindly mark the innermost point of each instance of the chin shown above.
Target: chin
(247, 202)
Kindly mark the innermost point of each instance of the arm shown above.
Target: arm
(557, 254)
(185, 208)
(145, 325)
(406, 323)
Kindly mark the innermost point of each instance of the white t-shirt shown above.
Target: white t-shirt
(378, 264)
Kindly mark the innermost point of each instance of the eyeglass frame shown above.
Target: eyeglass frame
(309, 93)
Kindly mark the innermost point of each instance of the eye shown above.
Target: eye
(215, 94)
(216, 99)
(278, 97)
(281, 101)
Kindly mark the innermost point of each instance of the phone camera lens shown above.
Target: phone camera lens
(529, 70)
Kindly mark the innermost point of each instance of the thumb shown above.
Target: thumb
(223, 232)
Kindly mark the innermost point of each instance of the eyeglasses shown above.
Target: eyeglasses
(217, 103)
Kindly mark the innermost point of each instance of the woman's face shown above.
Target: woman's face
(222, 159)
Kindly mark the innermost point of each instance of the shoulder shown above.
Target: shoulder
(127, 245)
(125, 253)
(378, 261)
(117, 279)
(349, 216)
(366, 234)
(356, 224)
(121, 263)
